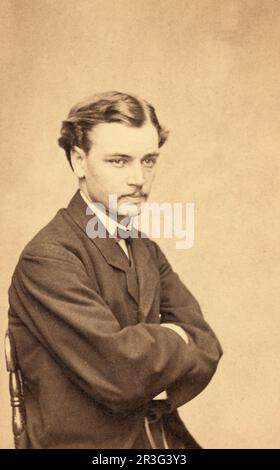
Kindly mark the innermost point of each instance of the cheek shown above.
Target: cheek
(110, 180)
(97, 175)
(149, 177)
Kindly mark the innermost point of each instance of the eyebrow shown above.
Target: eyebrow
(129, 157)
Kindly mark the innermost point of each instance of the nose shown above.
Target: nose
(136, 176)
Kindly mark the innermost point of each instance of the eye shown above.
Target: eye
(149, 162)
(118, 162)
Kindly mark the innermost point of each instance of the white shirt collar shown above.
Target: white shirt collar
(109, 223)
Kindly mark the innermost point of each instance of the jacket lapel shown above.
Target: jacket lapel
(148, 276)
(114, 257)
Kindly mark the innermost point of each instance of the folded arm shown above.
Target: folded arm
(178, 307)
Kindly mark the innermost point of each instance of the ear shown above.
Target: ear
(78, 160)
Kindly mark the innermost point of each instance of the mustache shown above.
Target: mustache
(135, 194)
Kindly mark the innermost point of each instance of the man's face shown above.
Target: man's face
(121, 162)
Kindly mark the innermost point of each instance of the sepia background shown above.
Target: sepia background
(212, 70)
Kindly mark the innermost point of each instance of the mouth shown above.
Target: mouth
(135, 198)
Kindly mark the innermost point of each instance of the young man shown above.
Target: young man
(109, 341)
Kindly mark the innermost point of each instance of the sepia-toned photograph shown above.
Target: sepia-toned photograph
(139, 248)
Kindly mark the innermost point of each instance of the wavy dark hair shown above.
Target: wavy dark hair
(105, 107)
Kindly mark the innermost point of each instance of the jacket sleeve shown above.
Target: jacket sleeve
(122, 369)
(178, 306)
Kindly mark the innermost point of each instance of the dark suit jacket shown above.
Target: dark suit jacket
(92, 355)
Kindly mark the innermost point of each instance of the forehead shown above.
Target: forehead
(118, 138)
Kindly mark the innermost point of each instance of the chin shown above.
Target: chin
(129, 210)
